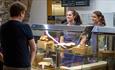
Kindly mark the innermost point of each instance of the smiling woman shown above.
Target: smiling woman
(73, 17)
(98, 18)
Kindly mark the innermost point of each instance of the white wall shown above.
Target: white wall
(38, 13)
(105, 6)
(39, 10)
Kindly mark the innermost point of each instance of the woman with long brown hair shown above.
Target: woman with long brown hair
(98, 18)
(72, 18)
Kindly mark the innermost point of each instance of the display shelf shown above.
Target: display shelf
(74, 61)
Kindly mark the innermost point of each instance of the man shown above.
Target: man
(17, 40)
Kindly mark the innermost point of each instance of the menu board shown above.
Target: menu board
(74, 3)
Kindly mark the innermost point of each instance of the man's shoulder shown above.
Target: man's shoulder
(27, 25)
(10, 22)
(4, 24)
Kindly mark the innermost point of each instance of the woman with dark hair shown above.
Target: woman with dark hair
(72, 18)
(77, 18)
(98, 18)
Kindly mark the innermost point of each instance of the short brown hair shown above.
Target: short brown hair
(16, 8)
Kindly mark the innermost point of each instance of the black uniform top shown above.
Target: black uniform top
(14, 41)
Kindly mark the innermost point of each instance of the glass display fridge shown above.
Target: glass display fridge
(84, 51)
(105, 43)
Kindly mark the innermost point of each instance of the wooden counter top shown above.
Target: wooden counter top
(91, 66)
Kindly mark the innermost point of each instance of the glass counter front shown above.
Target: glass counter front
(72, 54)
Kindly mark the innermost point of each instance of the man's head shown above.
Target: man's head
(17, 9)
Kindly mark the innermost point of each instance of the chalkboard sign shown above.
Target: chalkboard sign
(74, 3)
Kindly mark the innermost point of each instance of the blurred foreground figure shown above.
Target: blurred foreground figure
(17, 40)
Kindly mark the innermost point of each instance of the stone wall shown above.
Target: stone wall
(4, 8)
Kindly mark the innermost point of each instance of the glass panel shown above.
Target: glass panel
(78, 49)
